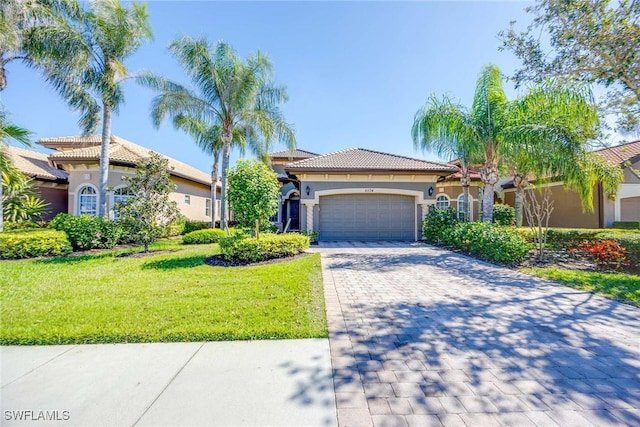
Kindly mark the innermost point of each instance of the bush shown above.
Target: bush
(630, 241)
(190, 226)
(504, 214)
(21, 225)
(268, 246)
(570, 237)
(605, 252)
(33, 243)
(499, 244)
(627, 225)
(200, 237)
(436, 222)
(88, 232)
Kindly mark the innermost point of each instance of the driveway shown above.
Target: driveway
(421, 336)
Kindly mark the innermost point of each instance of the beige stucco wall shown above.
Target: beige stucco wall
(55, 195)
(88, 174)
(453, 190)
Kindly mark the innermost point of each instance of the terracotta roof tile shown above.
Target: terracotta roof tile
(620, 153)
(34, 164)
(364, 159)
(120, 150)
(296, 154)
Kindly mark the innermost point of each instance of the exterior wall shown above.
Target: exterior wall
(56, 196)
(88, 174)
(630, 177)
(567, 209)
(453, 190)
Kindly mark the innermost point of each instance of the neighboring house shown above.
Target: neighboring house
(80, 159)
(51, 183)
(359, 194)
(567, 209)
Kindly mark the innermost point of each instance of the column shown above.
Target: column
(309, 207)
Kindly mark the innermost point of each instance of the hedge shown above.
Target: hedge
(269, 246)
(628, 225)
(88, 232)
(200, 237)
(33, 243)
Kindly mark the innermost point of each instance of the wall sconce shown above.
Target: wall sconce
(430, 191)
(308, 190)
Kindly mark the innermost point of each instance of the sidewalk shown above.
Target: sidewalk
(257, 383)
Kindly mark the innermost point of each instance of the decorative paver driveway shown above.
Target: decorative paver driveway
(422, 336)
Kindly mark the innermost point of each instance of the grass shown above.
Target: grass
(624, 287)
(102, 298)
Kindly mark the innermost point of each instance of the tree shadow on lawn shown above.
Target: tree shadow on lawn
(513, 343)
(174, 263)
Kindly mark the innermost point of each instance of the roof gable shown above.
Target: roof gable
(361, 159)
(34, 164)
(295, 154)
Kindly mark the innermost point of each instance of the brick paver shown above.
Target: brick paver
(423, 336)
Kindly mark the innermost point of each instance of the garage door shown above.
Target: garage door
(367, 217)
(630, 209)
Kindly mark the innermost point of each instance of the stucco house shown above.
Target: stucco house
(51, 183)
(358, 194)
(79, 157)
(451, 194)
(567, 210)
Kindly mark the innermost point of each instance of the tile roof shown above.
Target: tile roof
(620, 153)
(34, 164)
(356, 159)
(296, 154)
(120, 151)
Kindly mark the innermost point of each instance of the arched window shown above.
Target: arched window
(462, 211)
(87, 201)
(442, 202)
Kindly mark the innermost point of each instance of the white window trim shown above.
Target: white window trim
(448, 201)
(77, 197)
(471, 202)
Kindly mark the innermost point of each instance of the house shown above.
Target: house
(567, 208)
(358, 194)
(451, 194)
(79, 158)
(51, 183)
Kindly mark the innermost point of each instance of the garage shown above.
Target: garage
(367, 217)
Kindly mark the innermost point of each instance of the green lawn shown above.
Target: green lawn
(165, 297)
(624, 287)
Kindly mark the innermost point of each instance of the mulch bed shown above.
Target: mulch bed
(218, 261)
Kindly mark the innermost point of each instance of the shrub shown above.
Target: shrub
(436, 221)
(21, 225)
(190, 226)
(268, 246)
(33, 243)
(87, 232)
(200, 237)
(628, 225)
(605, 252)
(570, 237)
(499, 244)
(504, 214)
(630, 241)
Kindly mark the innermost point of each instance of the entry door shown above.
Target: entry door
(294, 214)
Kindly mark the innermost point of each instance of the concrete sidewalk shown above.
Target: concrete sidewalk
(257, 383)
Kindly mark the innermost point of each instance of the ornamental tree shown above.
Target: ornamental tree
(253, 193)
(145, 216)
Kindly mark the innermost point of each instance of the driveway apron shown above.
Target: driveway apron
(421, 336)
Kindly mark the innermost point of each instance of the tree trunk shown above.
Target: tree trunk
(257, 229)
(465, 181)
(226, 151)
(520, 183)
(214, 187)
(104, 158)
(3, 77)
(489, 176)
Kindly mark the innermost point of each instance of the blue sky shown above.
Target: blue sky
(356, 72)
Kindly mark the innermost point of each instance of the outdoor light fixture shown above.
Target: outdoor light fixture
(430, 191)
(308, 190)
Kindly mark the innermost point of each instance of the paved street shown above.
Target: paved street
(420, 336)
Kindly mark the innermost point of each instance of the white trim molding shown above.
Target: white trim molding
(76, 194)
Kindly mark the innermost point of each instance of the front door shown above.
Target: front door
(294, 214)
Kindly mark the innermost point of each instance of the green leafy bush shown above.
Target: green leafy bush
(628, 225)
(504, 214)
(33, 243)
(570, 237)
(436, 222)
(491, 242)
(190, 226)
(88, 232)
(200, 237)
(21, 225)
(268, 246)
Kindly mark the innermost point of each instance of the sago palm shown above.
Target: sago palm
(106, 35)
(440, 127)
(234, 96)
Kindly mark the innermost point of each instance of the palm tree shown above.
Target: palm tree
(236, 97)
(105, 35)
(9, 131)
(439, 127)
(548, 118)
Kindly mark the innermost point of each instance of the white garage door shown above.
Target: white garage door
(367, 217)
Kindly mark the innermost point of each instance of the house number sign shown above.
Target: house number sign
(368, 190)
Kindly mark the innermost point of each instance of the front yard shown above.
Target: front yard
(175, 296)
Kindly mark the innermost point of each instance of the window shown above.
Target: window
(187, 199)
(462, 211)
(121, 195)
(442, 202)
(87, 201)
(207, 207)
